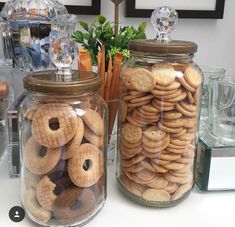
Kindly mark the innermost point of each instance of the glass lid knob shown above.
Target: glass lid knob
(164, 20)
(63, 52)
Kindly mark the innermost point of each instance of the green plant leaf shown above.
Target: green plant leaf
(101, 19)
(84, 25)
(142, 27)
(79, 36)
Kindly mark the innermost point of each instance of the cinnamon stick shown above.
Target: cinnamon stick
(85, 63)
(113, 105)
(102, 71)
(109, 78)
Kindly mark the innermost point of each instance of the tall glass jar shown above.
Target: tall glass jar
(158, 122)
(63, 136)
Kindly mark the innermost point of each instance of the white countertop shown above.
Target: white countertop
(214, 209)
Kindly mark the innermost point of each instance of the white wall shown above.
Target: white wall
(215, 38)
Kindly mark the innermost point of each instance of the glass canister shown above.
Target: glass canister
(158, 123)
(63, 134)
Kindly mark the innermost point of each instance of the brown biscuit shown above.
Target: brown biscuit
(186, 85)
(188, 107)
(168, 129)
(157, 149)
(171, 187)
(150, 108)
(91, 137)
(85, 174)
(156, 195)
(141, 99)
(190, 97)
(154, 134)
(171, 115)
(94, 121)
(179, 193)
(160, 93)
(45, 193)
(175, 135)
(38, 161)
(186, 113)
(135, 122)
(177, 93)
(129, 145)
(163, 74)
(173, 86)
(143, 80)
(178, 180)
(137, 104)
(146, 175)
(134, 169)
(131, 151)
(54, 125)
(150, 155)
(136, 159)
(136, 179)
(163, 108)
(71, 147)
(168, 156)
(193, 77)
(173, 123)
(134, 188)
(174, 166)
(146, 164)
(154, 144)
(158, 183)
(160, 161)
(179, 98)
(123, 111)
(131, 133)
(161, 102)
(159, 168)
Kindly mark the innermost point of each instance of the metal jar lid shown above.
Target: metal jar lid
(49, 82)
(164, 20)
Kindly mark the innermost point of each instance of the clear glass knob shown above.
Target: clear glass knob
(164, 20)
(63, 52)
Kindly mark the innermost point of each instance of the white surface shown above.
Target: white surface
(199, 209)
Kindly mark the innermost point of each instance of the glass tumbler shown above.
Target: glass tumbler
(222, 109)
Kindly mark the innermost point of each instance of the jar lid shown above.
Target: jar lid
(50, 82)
(164, 20)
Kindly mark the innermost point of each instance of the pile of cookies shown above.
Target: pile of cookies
(63, 162)
(159, 113)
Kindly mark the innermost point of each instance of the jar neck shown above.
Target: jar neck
(172, 58)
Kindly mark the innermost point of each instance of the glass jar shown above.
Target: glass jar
(63, 136)
(159, 104)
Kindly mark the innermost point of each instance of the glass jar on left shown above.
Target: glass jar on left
(63, 136)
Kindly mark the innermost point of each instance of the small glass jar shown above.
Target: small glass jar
(63, 136)
(159, 108)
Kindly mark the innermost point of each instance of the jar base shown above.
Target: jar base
(144, 202)
(81, 223)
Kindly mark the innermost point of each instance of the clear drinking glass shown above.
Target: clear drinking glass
(222, 109)
(209, 72)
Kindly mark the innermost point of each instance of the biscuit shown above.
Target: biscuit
(163, 108)
(173, 123)
(158, 183)
(91, 137)
(134, 169)
(54, 125)
(171, 115)
(141, 99)
(135, 122)
(137, 104)
(72, 147)
(180, 67)
(178, 180)
(172, 87)
(150, 155)
(126, 76)
(159, 168)
(160, 162)
(143, 80)
(171, 187)
(160, 93)
(168, 156)
(174, 166)
(146, 164)
(39, 161)
(156, 195)
(136, 159)
(143, 112)
(87, 166)
(171, 96)
(184, 111)
(94, 121)
(143, 117)
(179, 193)
(179, 98)
(45, 193)
(131, 133)
(193, 77)
(31, 180)
(136, 179)
(186, 85)
(175, 135)
(146, 175)
(169, 130)
(154, 133)
(188, 107)
(134, 188)
(132, 151)
(123, 111)
(179, 142)
(190, 97)
(157, 149)
(162, 103)
(129, 145)
(163, 74)
(130, 97)
(64, 210)
(30, 203)
(155, 144)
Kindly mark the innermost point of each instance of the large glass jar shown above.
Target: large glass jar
(159, 107)
(63, 127)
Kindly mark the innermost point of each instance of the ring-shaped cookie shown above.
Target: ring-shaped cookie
(64, 210)
(37, 163)
(72, 147)
(54, 125)
(87, 166)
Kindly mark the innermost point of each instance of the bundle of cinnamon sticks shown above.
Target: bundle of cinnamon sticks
(110, 79)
